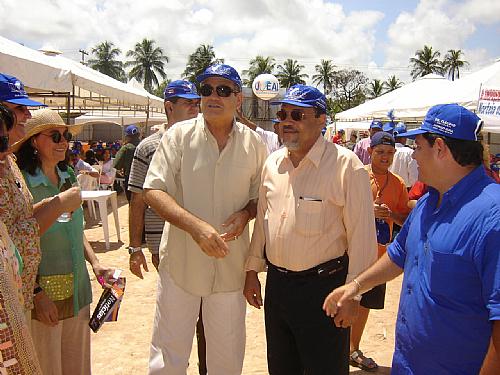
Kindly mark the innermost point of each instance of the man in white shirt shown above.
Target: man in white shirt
(403, 164)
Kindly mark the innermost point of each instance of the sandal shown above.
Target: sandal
(357, 359)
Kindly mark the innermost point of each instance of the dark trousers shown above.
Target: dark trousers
(301, 339)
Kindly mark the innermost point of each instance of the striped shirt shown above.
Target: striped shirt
(312, 213)
(142, 158)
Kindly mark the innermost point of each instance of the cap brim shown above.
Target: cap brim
(203, 77)
(26, 102)
(186, 96)
(376, 127)
(291, 102)
(413, 133)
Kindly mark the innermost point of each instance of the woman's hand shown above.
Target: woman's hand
(45, 309)
(104, 275)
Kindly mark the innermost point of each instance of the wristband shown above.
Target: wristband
(357, 284)
(132, 250)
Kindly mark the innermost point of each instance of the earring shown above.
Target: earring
(35, 152)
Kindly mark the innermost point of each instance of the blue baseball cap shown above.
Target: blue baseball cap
(376, 124)
(222, 71)
(304, 96)
(449, 120)
(12, 91)
(275, 120)
(389, 127)
(180, 89)
(382, 138)
(400, 128)
(131, 130)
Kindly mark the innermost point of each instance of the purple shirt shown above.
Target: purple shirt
(361, 149)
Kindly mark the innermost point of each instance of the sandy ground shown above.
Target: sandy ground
(122, 348)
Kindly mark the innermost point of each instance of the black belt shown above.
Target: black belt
(327, 268)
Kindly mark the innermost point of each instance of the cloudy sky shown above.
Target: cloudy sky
(377, 37)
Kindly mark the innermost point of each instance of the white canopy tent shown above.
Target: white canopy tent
(64, 83)
(411, 100)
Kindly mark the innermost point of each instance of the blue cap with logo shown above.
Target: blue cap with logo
(180, 89)
(449, 120)
(376, 124)
(12, 91)
(222, 71)
(400, 128)
(131, 130)
(382, 138)
(304, 96)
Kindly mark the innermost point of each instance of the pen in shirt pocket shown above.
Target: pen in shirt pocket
(311, 199)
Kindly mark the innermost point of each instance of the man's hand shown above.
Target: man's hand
(45, 309)
(234, 225)
(252, 289)
(137, 260)
(210, 242)
(70, 199)
(382, 211)
(338, 298)
(155, 259)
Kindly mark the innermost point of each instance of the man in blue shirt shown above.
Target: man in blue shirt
(449, 250)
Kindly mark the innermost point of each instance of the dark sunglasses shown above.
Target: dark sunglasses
(222, 90)
(57, 137)
(295, 114)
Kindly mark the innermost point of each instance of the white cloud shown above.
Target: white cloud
(306, 30)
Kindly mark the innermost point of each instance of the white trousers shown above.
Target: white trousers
(174, 326)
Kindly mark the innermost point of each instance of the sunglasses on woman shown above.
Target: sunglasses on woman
(57, 137)
(222, 90)
(295, 114)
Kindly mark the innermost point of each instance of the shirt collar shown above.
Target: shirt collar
(455, 193)
(41, 179)
(316, 152)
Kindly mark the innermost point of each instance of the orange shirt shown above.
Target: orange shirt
(389, 189)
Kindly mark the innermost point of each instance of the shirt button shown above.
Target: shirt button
(403, 319)
(283, 214)
(409, 290)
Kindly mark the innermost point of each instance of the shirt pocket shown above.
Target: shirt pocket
(453, 278)
(309, 217)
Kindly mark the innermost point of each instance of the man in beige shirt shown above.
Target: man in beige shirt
(315, 228)
(204, 181)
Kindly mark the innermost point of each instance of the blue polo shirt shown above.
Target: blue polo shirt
(451, 287)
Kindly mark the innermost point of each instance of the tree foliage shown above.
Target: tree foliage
(105, 60)
(375, 88)
(349, 88)
(325, 70)
(453, 62)
(392, 83)
(199, 60)
(147, 61)
(426, 61)
(259, 65)
(289, 73)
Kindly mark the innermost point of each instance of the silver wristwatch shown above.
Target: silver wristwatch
(132, 250)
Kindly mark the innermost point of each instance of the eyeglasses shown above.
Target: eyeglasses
(295, 114)
(222, 90)
(57, 137)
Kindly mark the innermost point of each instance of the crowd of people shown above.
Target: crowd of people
(334, 221)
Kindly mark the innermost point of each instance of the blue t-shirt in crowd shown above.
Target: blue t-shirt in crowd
(451, 288)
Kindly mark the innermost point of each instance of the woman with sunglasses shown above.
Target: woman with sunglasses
(60, 317)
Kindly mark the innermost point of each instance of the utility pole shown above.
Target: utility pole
(83, 52)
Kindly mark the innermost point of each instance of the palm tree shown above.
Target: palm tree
(258, 65)
(426, 61)
(289, 73)
(452, 63)
(325, 72)
(148, 61)
(199, 60)
(105, 60)
(393, 83)
(375, 88)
